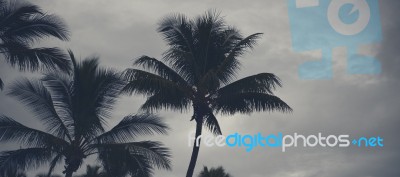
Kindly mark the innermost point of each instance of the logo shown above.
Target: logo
(325, 24)
(249, 142)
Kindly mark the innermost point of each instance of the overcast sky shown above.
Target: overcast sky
(358, 105)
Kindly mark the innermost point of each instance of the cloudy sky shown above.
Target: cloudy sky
(358, 105)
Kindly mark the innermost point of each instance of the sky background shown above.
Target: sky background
(359, 105)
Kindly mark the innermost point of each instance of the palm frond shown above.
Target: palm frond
(249, 102)
(177, 30)
(60, 88)
(24, 159)
(56, 160)
(27, 58)
(133, 126)
(37, 27)
(94, 93)
(138, 158)
(1, 84)
(177, 101)
(227, 69)
(155, 152)
(142, 82)
(12, 131)
(12, 12)
(118, 161)
(161, 69)
(34, 95)
(212, 124)
(259, 83)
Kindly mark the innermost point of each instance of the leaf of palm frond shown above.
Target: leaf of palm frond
(248, 103)
(56, 160)
(259, 83)
(1, 84)
(176, 101)
(34, 95)
(94, 92)
(26, 58)
(118, 161)
(177, 30)
(12, 131)
(227, 69)
(212, 124)
(16, 12)
(161, 69)
(133, 126)
(183, 62)
(37, 27)
(158, 155)
(142, 82)
(154, 152)
(59, 85)
(137, 158)
(24, 159)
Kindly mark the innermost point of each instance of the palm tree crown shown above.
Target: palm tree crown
(214, 172)
(199, 68)
(23, 24)
(74, 109)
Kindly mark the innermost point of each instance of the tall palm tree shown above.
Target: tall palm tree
(74, 108)
(214, 172)
(22, 25)
(199, 68)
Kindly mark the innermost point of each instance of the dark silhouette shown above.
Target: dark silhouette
(22, 25)
(198, 70)
(214, 172)
(74, 109)
(93, 171)
(46, 175)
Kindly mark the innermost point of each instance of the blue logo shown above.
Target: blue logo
(326, 24)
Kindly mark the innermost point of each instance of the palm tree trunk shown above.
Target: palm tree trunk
(195, 152)
(68, 174)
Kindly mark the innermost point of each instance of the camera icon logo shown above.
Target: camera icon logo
(326, 24)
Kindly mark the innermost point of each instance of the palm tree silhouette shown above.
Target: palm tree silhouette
(13, 173)
(23, 24)
(199, 68)
(74, 109)
(214, 172)
(46, 175)
(93, 171)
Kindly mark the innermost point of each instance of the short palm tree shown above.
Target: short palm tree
(46, 175)
(214, 172)
(93, 171)
(23, 24)
(199, 69)
(74, 109)
(13, 173)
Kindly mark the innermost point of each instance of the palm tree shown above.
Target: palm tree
(46, 175)
(74, 108)
(93, 171)
(214, 172)
(23, 24)
(199, 68)
(13, 173)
